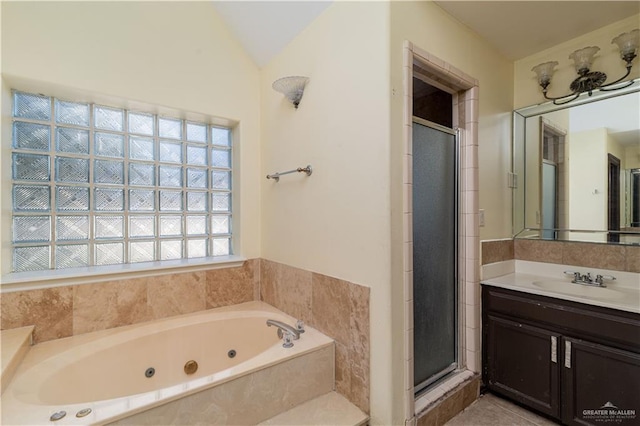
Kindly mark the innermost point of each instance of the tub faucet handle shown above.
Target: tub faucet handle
(300, 326)
(288, 340)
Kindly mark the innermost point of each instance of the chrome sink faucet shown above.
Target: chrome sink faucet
(285, 332)
(587, 279)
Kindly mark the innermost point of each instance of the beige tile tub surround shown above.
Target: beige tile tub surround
(594, 255)
(338, 308)
(70, 310)
(249, 399)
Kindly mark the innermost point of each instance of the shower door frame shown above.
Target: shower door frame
(435, 379)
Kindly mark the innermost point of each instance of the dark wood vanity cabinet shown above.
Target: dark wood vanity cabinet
(570, 361)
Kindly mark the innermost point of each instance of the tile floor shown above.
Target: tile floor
(489, 410)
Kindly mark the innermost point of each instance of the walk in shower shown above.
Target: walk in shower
(435, 252)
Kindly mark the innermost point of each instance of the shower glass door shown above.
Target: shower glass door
(435, 252)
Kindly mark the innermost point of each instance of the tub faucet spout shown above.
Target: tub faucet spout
(284, 329)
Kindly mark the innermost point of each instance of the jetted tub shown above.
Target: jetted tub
(138, 374)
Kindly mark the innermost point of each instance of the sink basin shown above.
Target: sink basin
(572, 289)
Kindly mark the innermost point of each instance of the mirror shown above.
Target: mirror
(577, 168)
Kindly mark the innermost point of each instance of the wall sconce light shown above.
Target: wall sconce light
(291, 87)
(588, 80)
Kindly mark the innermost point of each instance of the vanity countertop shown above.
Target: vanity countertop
(549, 280)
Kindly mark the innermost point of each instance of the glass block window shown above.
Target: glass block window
(98, 185)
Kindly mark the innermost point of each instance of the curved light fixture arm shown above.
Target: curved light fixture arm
(589, 81)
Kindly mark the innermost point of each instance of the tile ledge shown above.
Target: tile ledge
(63, 277)
(328, 409)
(433, 396)
(15, 343)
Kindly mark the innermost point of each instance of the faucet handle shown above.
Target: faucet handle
(576, 276)
(288, 340)
(300, 326)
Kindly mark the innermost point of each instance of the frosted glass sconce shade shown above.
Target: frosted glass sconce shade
(583, 58)
(545, 72)
(628, 44)
(291, 87)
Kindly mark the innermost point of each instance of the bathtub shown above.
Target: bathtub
(143, 373)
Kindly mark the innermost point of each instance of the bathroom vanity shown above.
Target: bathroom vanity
(571, 353)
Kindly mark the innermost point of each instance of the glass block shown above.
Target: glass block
(31, 228)
(220, 136)
(197, 248)
(142, 251)
(108, 118)
(72, 256)
(72, 170)
(221, 158)
(170, 226)
(105, 171)
(170, 128)
(26, 105)
(220, 224)
(170, 176)
(31, 198)
(142, 200)
(197, 225)
(142, 174)
(31, 136)
(109, 227)
(197, 155)
(220, 180)
(142, 226)
(197, 201)
(75, 141)
(72, 228)
(31, 167)
(220, 202)
(196, 132)
(30, 258)
(170, 201)
(72, 198)
(109, 254)
(221, 247)
(141, 148)
(197, 178)
(109, 145)
(170, 152)
(170, 250)
(142, 124)
(107, 199)
(72, 113)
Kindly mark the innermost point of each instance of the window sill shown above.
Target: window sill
(63, 277)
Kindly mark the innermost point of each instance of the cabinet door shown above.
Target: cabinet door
(601, 385)
(522, 364)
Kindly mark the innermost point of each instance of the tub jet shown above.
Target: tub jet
(150, 372)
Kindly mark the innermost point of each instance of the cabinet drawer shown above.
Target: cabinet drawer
(591, 322)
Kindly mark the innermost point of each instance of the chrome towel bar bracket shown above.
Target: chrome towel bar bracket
(276, 176)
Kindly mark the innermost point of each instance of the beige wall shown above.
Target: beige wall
(335, 222)
(177, 55)
(429, 28)
(526, 89)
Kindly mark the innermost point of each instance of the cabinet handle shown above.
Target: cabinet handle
(554, 349)
(567, 354)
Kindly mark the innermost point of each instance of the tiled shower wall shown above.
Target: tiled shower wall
(593, 255)
(338, 308)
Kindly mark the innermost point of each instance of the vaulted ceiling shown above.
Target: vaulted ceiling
(515, 28)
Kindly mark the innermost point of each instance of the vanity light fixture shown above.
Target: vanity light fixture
(588, 80)
(291, 87)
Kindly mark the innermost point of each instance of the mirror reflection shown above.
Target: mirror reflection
(579, 171)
